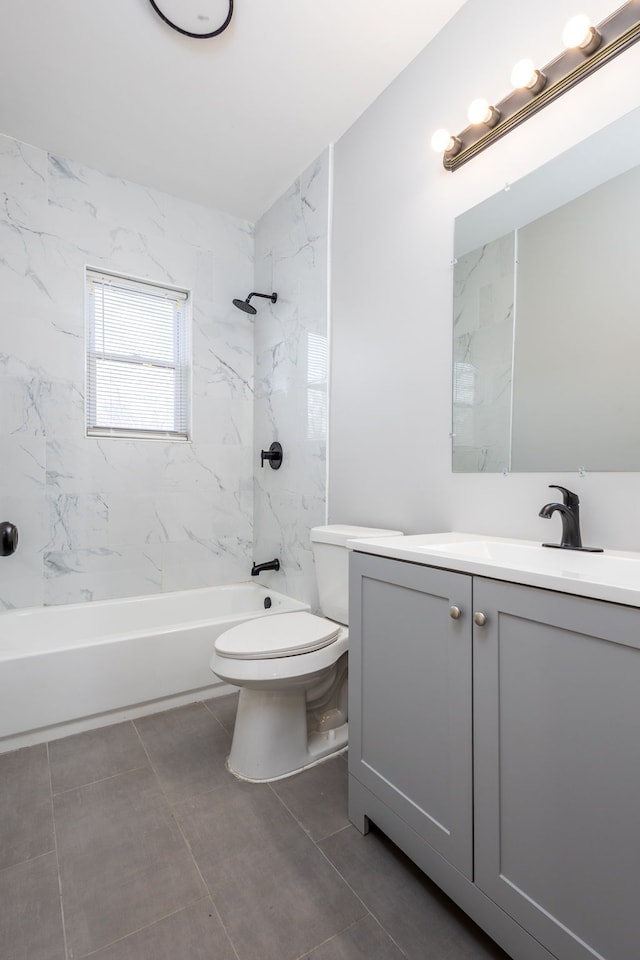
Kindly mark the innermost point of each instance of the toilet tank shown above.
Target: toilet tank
(331, 557)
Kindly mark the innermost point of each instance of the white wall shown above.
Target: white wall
(394, 208)
(291, 379)
(106, 518)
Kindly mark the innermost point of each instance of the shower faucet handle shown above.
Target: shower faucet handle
(8, 538)
(273, 455)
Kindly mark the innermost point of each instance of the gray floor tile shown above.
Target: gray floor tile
(365, 940)
(194, 933)
(234, 820)
(419, 917)
(94, 755)
(26, 824)
(279, 901)
(123, 861)
(30, 920)
(317, 797)
(224, 710)
(188, 749)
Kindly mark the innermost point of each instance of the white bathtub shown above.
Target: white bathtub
(72, 667)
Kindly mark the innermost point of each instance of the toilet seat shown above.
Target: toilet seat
(280, 635)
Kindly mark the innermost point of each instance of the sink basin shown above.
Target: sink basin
(612, 575)
(594, 567)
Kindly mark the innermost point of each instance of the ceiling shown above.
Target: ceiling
(228, 122)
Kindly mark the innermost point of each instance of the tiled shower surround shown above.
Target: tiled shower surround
(101, 518)
(291, 378)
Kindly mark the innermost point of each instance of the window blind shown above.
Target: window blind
(316, 386)
(138, 364)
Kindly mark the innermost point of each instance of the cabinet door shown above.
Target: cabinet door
(557, 765)
(410, 697)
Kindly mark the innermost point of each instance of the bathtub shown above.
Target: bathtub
(80, 665)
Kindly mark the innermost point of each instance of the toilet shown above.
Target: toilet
(292, 672)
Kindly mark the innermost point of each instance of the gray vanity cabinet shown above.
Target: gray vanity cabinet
(503, 756)
(410, 698)
(557, 767)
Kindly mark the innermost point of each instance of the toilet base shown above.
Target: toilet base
(278, 733)
(291, 773)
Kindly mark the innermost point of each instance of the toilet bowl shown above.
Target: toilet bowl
(292, 670)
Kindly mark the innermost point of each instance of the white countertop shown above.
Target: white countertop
(613, 575)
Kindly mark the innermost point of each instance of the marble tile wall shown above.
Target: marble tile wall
(483, 307)
(291, 379)
(105, 518)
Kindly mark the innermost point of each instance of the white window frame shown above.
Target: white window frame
(180, 364)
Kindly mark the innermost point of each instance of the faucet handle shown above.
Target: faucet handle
(569, 498)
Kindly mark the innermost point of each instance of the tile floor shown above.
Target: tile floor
(132, 842)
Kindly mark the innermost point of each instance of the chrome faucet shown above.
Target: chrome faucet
(569, 511)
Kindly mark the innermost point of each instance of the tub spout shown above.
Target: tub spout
(261, 567)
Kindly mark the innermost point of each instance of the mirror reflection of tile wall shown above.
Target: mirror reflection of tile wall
(483, 317)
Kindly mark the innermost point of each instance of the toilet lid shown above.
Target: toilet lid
(281, 635)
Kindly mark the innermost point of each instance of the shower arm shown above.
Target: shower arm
(267, 296)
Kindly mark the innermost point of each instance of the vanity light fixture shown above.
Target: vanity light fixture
(586, 49)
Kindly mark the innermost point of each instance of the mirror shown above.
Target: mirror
(546, 327)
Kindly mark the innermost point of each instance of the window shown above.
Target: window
(138, 366)
(316, 386)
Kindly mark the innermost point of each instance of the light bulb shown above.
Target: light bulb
(441, 140)
(444, 142)
(522, 74)
(579, 33)
(525, 76)
(478, 111)
(481, 112)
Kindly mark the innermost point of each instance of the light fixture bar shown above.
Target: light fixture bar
(619, 30)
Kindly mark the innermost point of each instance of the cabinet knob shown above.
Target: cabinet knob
(479, 619)
(455, 613)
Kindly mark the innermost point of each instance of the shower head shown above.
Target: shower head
(245, 305)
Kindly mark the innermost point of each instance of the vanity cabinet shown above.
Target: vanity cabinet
(412, 745)
(504, 758)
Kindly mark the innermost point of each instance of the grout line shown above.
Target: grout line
(90, 783)
(55, 847)
(186, 842)
(344, 879)
(206, 886)
(299, 824)
(147, 766)
(316, 843)
(369, 912)
(150, 762)
(288, 809)
(333, 936)
(226, 730)
(147, 926)
(20, 863)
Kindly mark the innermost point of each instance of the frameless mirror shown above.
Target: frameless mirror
(546, 327)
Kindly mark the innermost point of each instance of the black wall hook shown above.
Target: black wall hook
(273, 455)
